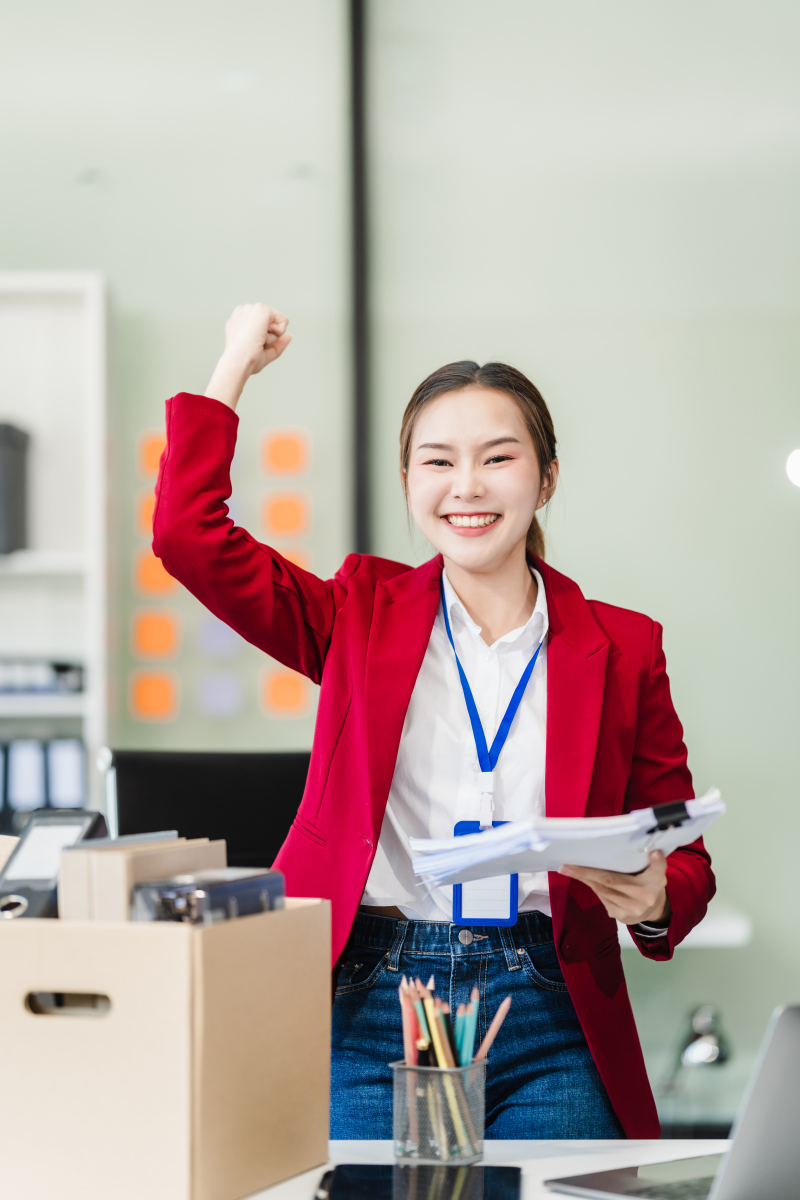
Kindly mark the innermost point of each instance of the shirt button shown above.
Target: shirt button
(566, 947)
(466, 938)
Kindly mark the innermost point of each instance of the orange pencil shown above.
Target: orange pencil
(409, 1040)
(492, 1031)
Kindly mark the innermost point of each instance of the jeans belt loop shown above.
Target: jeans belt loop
(396, 947)
(509, 949)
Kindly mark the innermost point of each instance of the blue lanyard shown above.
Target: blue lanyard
(486, 757)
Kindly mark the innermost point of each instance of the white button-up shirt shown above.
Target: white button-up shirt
(437, 775)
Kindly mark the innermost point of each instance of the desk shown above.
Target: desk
(539, 1161)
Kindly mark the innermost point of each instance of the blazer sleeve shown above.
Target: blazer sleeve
(660, 773)
(275, 605)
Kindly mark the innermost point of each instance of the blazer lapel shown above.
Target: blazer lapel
(577, 654)
(403, 616)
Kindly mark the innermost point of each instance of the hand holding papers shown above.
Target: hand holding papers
(547, 843)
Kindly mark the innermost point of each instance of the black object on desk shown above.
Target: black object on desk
(250, 800)
(361, 1181)
(29, 879)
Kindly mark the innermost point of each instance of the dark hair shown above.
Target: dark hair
(500, 378)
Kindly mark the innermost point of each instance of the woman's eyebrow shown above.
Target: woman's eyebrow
(486, 445)
(499, 442)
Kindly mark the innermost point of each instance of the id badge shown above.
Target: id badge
(492, 901)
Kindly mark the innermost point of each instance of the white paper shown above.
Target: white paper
(39, 856)
(547, 843)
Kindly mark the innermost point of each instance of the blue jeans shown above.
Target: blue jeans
(541, 1080)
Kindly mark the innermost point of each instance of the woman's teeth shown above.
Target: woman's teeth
(471, 522)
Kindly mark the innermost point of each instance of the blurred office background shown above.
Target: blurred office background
(604, 194)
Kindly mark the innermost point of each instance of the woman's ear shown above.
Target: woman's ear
(551, 478)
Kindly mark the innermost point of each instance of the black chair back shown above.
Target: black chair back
(248, 799)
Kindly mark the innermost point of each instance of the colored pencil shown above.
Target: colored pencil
(409, 1021)
(446, 1047)
(421, 1022)
(433, 1026)
(410, 1032)
(448, 1027)
(492, 1031)
(461, 1016)
(471, 1026)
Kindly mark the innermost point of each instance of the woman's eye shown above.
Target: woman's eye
(437, 462)
(499, 458)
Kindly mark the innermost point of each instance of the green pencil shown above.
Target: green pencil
(470, 1027)
(461, 1013)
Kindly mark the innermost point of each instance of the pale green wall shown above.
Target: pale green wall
(607, 196)
(197, 154)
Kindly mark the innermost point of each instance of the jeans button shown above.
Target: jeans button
(465, 937)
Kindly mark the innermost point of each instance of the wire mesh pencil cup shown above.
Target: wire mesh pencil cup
(439, 1113)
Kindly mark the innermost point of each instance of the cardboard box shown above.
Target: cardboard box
(95, 884)
(206, 1077)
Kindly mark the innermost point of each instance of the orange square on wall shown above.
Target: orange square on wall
(154, 634)
(285, 694)
(151, 576)
(151, 447)
(285, 451)
(286, 514)
(145, 507)
(153, 695)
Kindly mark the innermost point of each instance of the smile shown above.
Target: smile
(464, 521)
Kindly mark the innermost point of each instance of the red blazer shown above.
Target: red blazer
(614, 741)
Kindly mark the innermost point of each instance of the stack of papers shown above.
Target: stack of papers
(547, 843)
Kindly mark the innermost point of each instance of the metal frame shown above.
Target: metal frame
(359, 186)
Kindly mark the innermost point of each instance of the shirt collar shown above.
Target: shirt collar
(534, 630)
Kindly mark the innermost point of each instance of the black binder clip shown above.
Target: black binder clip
(669, 815)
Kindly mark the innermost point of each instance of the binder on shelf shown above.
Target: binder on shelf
(26, 787)
(66, 782)
(13, 488)
(96, 882)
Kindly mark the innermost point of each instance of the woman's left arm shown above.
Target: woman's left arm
(674, 891)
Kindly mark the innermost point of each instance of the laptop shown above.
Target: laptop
(763, 1162)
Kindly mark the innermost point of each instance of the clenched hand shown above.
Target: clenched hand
(255, 335)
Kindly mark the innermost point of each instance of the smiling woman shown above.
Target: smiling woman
(421, 670)
(514, 402)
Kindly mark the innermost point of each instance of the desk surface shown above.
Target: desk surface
(539, 1160)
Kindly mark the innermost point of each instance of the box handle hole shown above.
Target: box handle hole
(67, 1004)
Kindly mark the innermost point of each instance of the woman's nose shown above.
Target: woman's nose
(467, 484)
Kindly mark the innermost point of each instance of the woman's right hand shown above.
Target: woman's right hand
(255, 335)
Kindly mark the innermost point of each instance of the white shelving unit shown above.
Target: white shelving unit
(53, 595)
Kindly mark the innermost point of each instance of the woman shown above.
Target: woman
(395, 756)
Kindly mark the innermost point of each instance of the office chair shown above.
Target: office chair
(250, 800)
